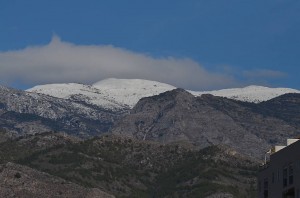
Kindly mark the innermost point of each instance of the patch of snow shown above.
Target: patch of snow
(251, 93)
(130, 91)
(109, 93)
(116, 94)
(77, 92)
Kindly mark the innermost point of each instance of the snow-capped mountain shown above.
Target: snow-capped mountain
(252, 93)
(110, 93)
(115, 105)
(130, 91)
(115, 94)
(78, 92)
(29, 112)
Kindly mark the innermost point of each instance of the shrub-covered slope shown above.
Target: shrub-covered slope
(130, 168)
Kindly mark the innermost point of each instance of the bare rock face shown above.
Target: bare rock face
(21, 181)
(178, 116)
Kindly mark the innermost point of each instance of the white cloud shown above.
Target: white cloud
(61, 61)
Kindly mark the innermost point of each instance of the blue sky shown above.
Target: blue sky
(233, 42)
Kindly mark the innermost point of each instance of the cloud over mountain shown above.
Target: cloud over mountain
(61, 61)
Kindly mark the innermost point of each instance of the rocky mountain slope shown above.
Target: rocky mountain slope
(127, 167)
(285, 107)
(178, 116)
(24, 112)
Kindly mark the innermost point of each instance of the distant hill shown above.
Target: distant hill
(178, 116)
(253, 93)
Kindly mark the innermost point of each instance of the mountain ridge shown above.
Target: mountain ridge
(18, 107)
(125, 93)
(177, 116)
(172, 116)
(170, 144)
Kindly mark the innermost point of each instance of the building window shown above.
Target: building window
(291, 173)
(266, 188)
(284, 176)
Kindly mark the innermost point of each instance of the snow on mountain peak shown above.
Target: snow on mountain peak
(118, 94)
(109, 93)
(250, 93)
(130, 91)
(77, 92)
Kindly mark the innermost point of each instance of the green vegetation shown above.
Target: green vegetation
(129, 168)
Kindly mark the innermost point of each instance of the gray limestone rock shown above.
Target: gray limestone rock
(178, 116)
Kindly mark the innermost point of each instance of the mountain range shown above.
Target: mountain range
(149, 110)
(125, 93)
(140, 138)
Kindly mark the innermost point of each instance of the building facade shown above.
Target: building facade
(280, 176)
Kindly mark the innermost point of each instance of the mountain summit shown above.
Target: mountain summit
(251, 93)
(113, 94)
(178, 117)
(116, 94)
